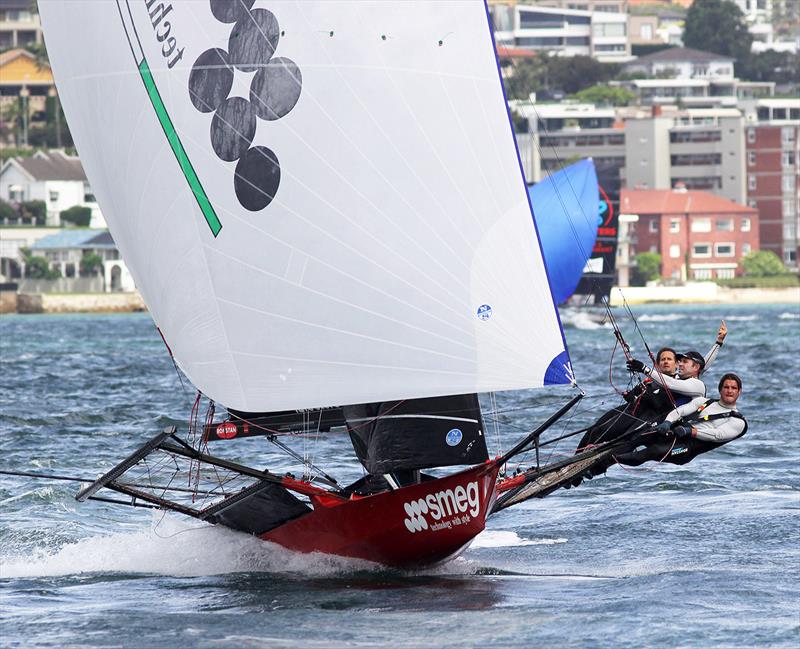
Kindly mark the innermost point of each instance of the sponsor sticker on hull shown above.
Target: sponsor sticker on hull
(443, 509)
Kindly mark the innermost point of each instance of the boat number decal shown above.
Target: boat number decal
(226, 430)
(484, 312)
(454, 437)
(444, 509)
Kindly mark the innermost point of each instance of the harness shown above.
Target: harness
(699, 416)
(689, 449)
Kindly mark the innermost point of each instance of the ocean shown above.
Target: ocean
(704, 555)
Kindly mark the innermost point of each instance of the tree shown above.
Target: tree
(573, 74)
(717, 26)
(78, 215)
(606, 96)
(7, 212)
(647, 268)
(780, 67)
(39, 268)
(762, 263)
(525, 78)
(90, 263)
(35, 211)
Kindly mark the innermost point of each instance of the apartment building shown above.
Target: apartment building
(698, 235)
(19, 24)
(563, 31)
(773, 176)
(701, 149)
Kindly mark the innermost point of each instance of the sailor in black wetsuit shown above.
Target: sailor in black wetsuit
(694, 428)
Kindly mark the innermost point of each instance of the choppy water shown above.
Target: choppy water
(705, 555)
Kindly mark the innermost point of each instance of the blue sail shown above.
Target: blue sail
(565, 207)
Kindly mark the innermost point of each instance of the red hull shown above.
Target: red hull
(417, 525)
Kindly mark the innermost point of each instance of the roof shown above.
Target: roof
(670, 201)
(681, 55)
(506, 52)
(78, 238)
(52, 165)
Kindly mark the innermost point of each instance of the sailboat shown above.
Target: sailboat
(323, 206)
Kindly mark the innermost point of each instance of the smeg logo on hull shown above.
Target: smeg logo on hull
(441, 506)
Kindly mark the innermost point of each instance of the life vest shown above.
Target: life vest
(684, 451)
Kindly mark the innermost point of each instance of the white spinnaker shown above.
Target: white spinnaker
(401, 208)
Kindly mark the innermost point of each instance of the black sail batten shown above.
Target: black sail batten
(417, 434)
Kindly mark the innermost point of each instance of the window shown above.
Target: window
(787, 134)
(701, 225)
(788, 207)
(674, 225)
(646, 32)
(702, 273)
(725, 225)
(695, 136)
(789, 256)
(726, 273)
(696, 159)
(88, 194)
(53, 197)
(752, 203)
(789, 231)
(751, 158)
(724, 249)
(701, 250)
(674, 251)
(653, 225)
(787, 183)
(746, 249)
(751, 182)
(745, 224)
(751, 135)
(787, 158)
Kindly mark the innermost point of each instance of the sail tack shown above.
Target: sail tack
(321, 202)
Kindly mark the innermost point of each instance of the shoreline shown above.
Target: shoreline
(703, 293)
(698, 293)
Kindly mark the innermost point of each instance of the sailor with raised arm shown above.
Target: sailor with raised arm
(694, 428)
(687, 385)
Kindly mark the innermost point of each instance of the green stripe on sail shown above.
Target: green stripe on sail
(178, 150)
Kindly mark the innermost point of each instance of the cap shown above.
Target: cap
(693, 356)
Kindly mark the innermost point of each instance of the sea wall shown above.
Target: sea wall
(79, 302)
(704, 293)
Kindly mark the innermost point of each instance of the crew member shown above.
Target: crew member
(694, 428)
(688, 384)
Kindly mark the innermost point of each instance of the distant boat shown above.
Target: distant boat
(324, 210)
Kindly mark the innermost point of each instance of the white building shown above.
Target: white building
(565, 32)
(65, 249)
(54, 177)
(684, 63)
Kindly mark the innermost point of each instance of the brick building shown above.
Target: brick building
(699, 236)
(773, 184)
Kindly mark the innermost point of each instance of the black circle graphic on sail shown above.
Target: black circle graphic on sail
(258, 174)
(276, 88)
(210, 80)
(233, 128)
(229, 11)
(253, 40)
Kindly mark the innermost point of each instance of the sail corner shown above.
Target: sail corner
(560, 370)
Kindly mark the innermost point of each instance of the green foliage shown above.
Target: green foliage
(780, 67)
(762, 263)
(787, 280)
(520, 123)
(35, 211)
(526, 78)
(39, 268)
(570, 74)
(573, 74)
(647, 268)
(77, 215)
(90, 264)
(7, 212)
(606, 96)
(717, 26)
